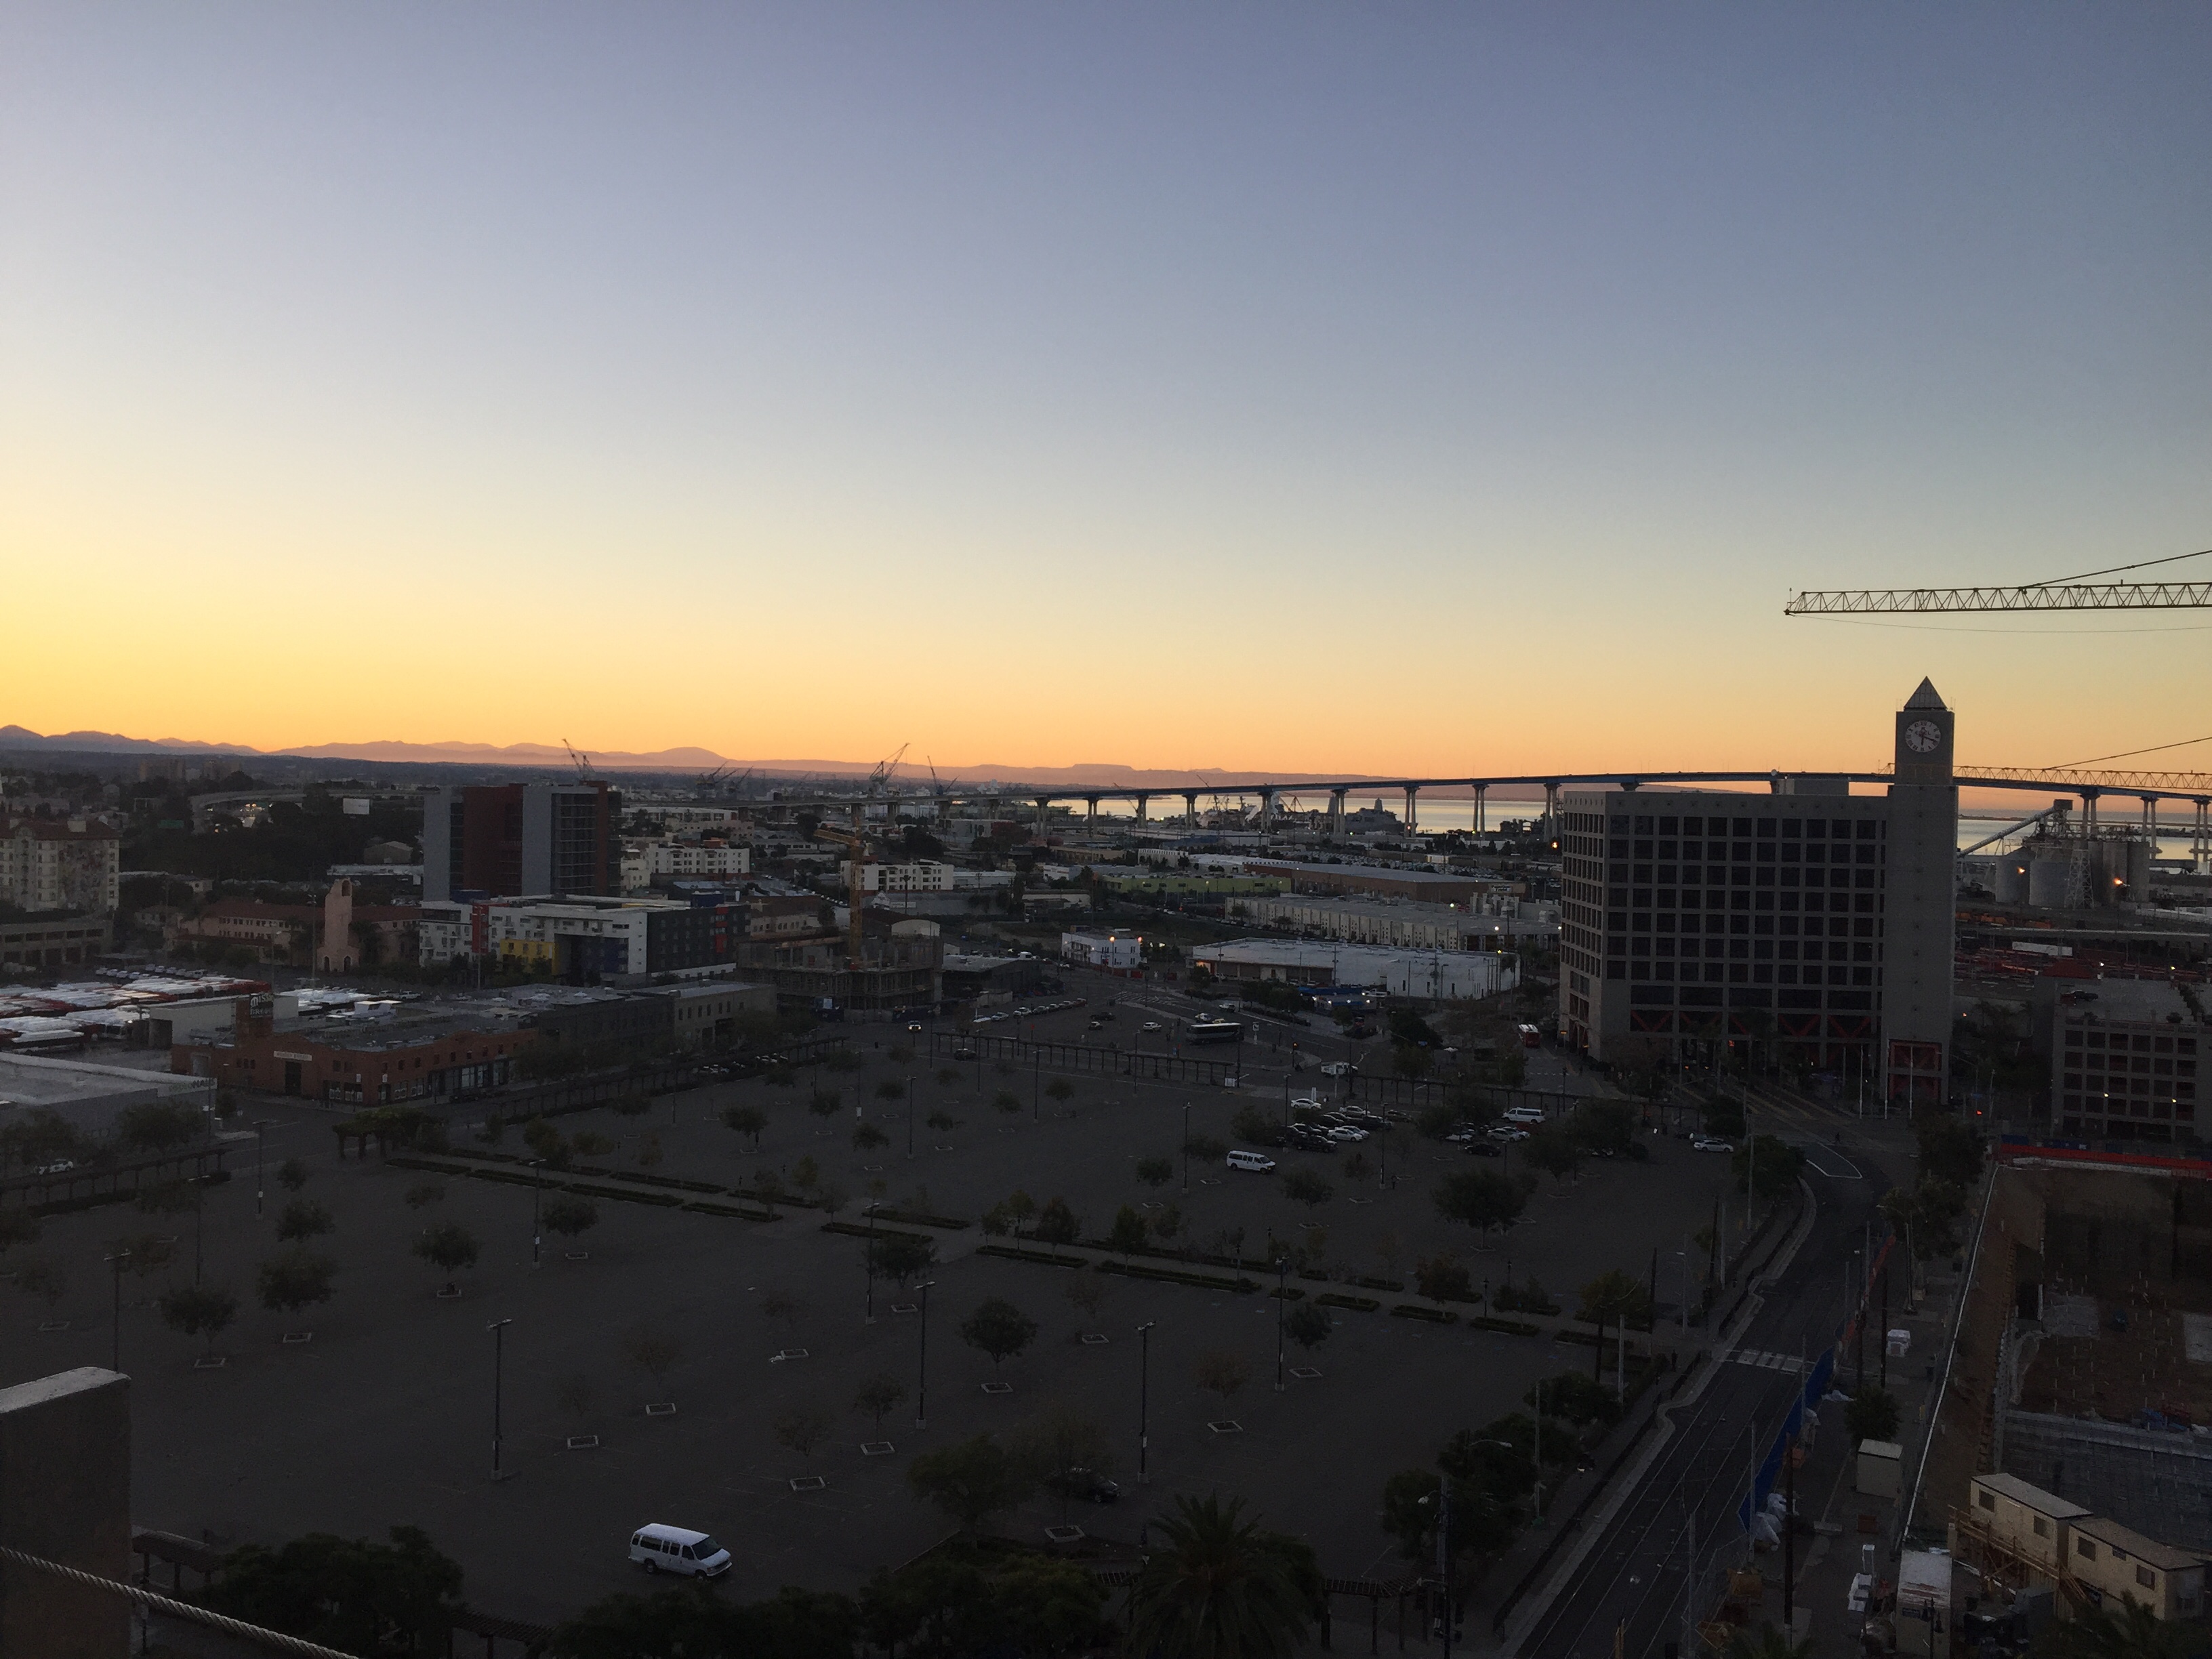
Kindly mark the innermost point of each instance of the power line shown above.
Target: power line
(2124, 753)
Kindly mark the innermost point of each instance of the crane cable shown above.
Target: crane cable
(2115, 570)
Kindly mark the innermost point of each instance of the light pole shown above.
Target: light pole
(1282, 1301)
(1144, 1400)
(922, 1379)
(259, 1125)
(498, 1329)
(537, 1197)
(909, 1117)
(1441, 1496)
(115, 1353)
(1186, 1146)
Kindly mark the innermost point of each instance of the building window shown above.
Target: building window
(2085, 1549)
(1986, 1500)
(2042, 1528)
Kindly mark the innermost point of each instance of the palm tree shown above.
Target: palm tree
(1222, 1588)
(2133, 1632)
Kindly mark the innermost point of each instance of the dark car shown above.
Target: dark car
(1086, 1484)
(964, 1054)
(1482, 1147)
(1308, 1138)
(1360, 1030)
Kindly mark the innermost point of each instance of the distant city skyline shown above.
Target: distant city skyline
(1415, 391)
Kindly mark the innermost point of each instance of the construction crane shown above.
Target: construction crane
(855, 841)
(581, 761)
(2059, 594)
(881, 776)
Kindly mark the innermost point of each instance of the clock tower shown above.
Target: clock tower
(1919, 905)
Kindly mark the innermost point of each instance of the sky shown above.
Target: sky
(1349, 387)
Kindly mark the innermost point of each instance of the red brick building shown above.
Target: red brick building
(418, 1064)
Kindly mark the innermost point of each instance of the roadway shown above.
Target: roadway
(1634, 1574)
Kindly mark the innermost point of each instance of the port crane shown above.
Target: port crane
(2079, 593)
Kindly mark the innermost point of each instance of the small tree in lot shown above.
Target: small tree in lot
(424, 1193)
(296, 1278)
(1058, 1225)
(43, 1278)
(786, 1309)
(802, 1429)
(941, 1120)
(1307, 1325)
(1205, 1149)
(806, 1174)
(654, 1353)
(968, 1481)
(878, 1395)
(292, 1175)
(999, 1329)
(198, 1310)
(947, 1076)
(1307, 1187)
(1156, 1172)
(867, 1138)
(1443, 1278)
(900, 1256)
(571, 1218)
(1222, 1373)
(891, 1089)
(543, 1139)
(448, 1248)
(1007, 1101)
(1059, 1088)
(1087, 1289)
(304, 1218)
(1128, 1232)
(1168, 1223)
(648, 1150)
(589, 1142)
(748, 1121)
(1482, 1199)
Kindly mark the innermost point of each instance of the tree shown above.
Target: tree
(891, 1089)
(1950, 1151)
(1168, 1222)
(1252, 1125)
(782, 1306)
(589, 1142)
(1556, 1150)
(569, 1217)
(1156, 1172)
(158, 1126)
(999, 1329)
(947, 1076)
(805, 1175)
(198, 1310)
(1087, 1288)
(748, 1121)
(900, 1256)
(1007, 1101)
(1058, 1441)
(1776, 1165)
(1443, 1278)
(802, 1429)
(1058, 1225)
(304, 1218)
(1128, 1233)
(1205, 1149)
(1059, 1088)
(296, 1278)
(379, 1601)
(878, 1395)
(43, 1278)
(648, 1150)
(1218, 1587)
(1871, 1415)
(1307, 1325)
(424, 1193)
(867, 1138)
(654, 1353)
(968, 1481)
(1307, 1187)
(1605, 1127)
(449, 1248)
(17, 1226)
(2130, 1631)
(1221, 1372)
(1482, 1199)
(292, 1175)
(1576, 1398)
(1613, 1295)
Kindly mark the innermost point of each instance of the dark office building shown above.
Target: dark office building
(502, 840)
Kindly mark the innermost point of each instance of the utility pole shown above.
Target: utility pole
(1144, 1401)
(1282, 1301)
(498, 1329)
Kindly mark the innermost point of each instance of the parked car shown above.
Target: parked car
(1484, 1147)
(1345, 1132)
(1149, 1025)
(1095, 1024)
(1308, 1138)
(1086, 1484)
(1506, 1132)
(675, 1549)
(913, 1028)
(1339, 1068)
(1711, 1144)
(964, 1054)
(1258, 1163)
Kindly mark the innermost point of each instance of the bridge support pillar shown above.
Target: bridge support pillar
(1091, 815)
(1044, 810)
(1336, 812)
(1141, 800)
(2200, 843)
(1552, 812)
(1482, 793)
(1413, 806)
(2090, 813)
(2150, 819)
(1190, 807)
(1266, 812)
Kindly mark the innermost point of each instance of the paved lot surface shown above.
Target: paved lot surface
(385, 1418)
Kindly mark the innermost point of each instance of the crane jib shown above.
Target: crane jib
(2077, 596)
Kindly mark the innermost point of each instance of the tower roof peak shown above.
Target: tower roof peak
(1926, 697)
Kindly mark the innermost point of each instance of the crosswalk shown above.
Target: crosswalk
(1765, 1360)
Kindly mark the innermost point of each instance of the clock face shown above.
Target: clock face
(1924, 737)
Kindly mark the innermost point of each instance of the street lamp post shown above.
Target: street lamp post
(1186, 1146)
(922, 1379)
(536, 1209)
(259, 1125)
(1144, 1400)
(1441, 1496)
(909, 1117)
(498, 1329)
(1282, 1301)
(115, 1352)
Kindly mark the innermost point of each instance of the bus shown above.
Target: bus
(1215, 1031)
(1530, 1036)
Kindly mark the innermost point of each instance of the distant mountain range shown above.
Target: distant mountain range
(1105, 774)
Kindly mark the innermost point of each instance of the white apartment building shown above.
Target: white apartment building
(1118, 952)
(644, 862)
(921, 876)
(441, 933)
(59, 864)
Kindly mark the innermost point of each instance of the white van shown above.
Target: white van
(1530, 1114)
(1257, 1162)
(671, 1549)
